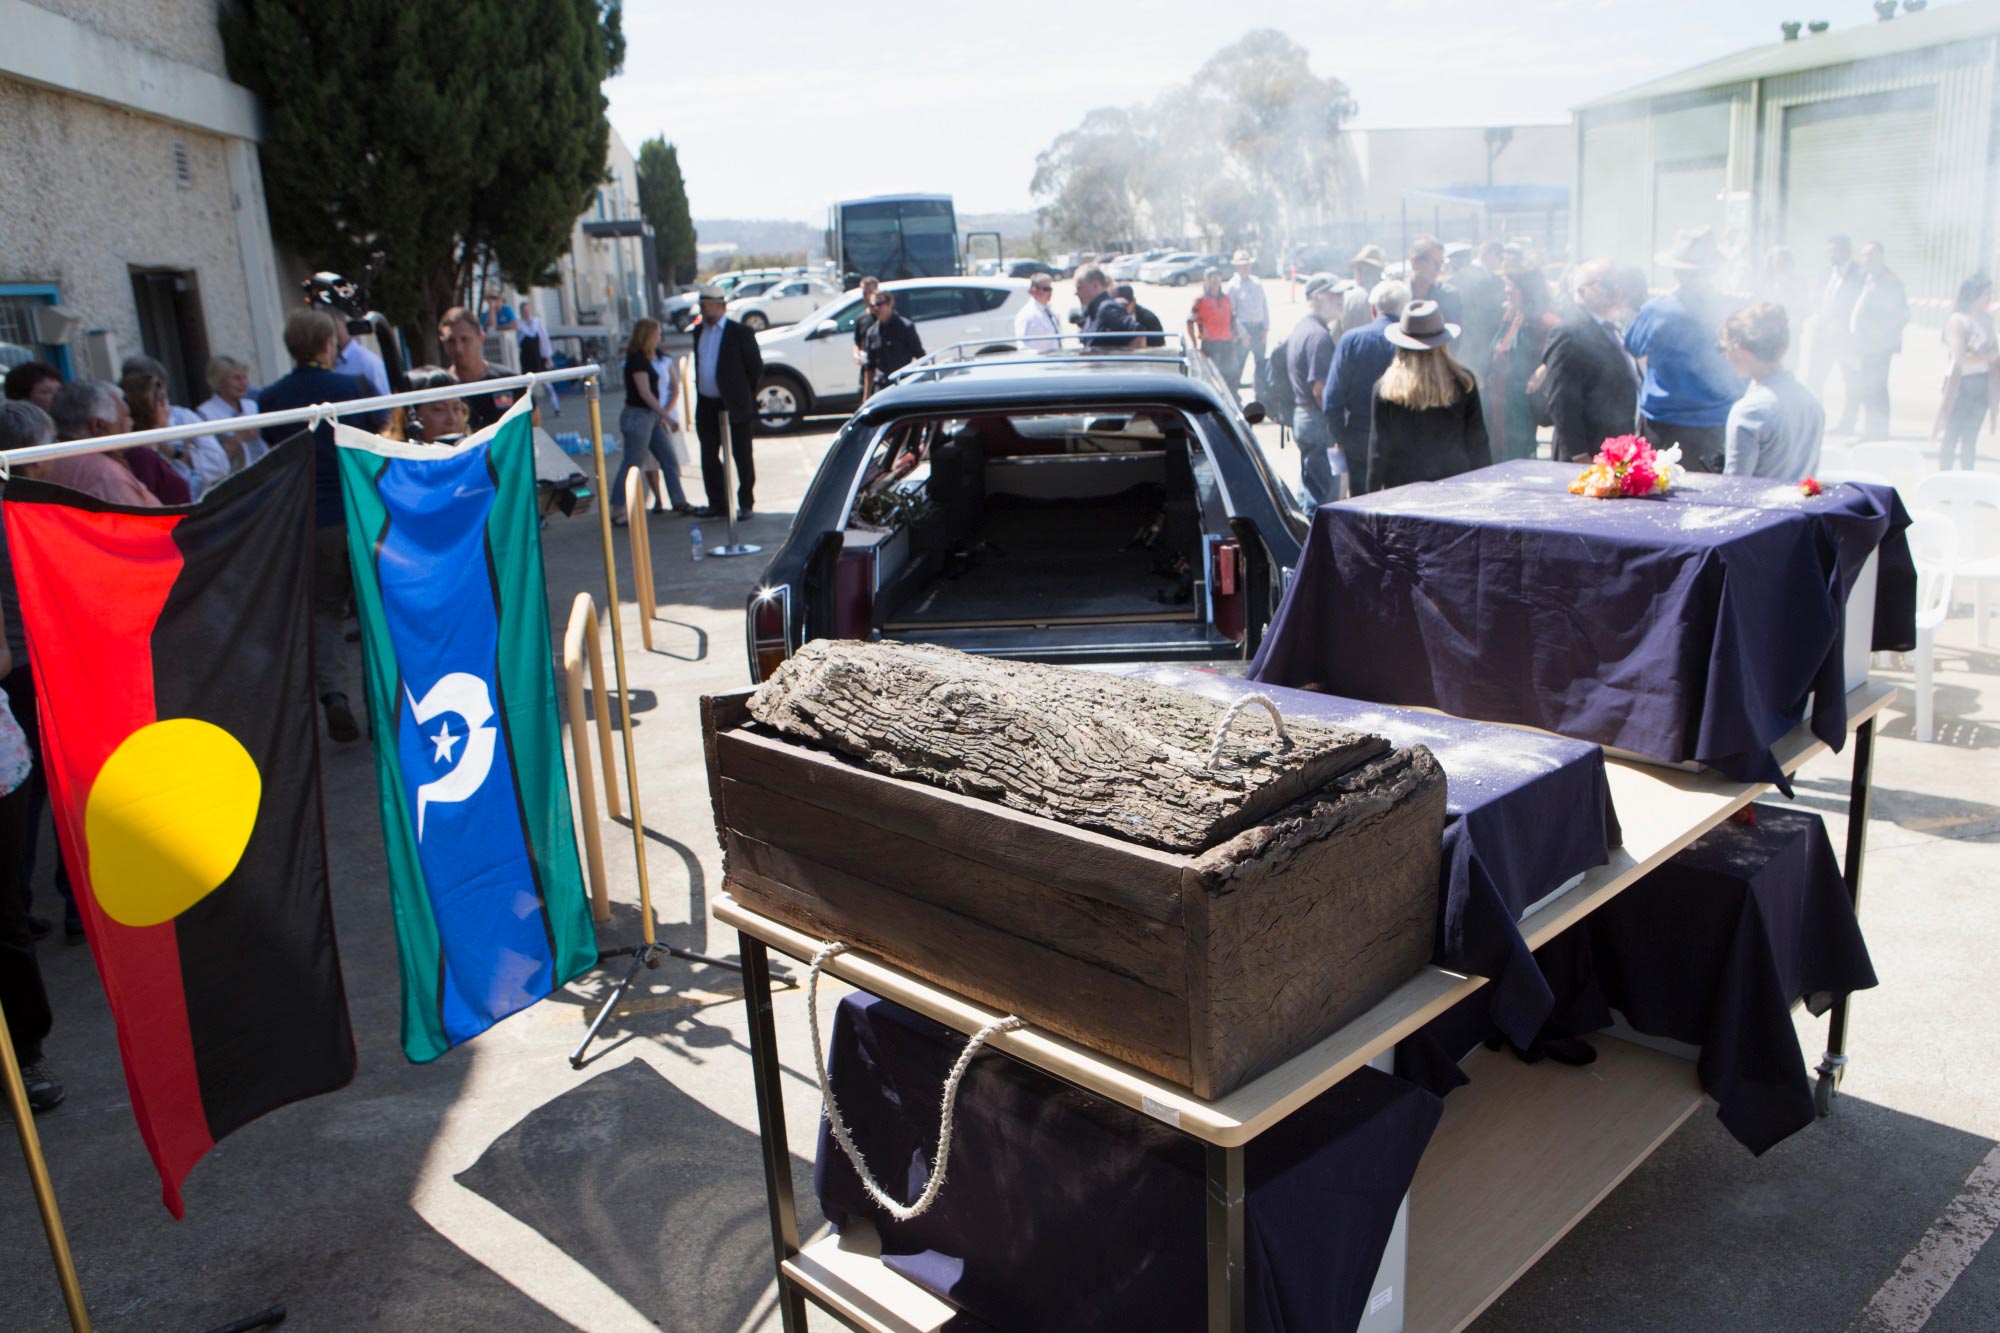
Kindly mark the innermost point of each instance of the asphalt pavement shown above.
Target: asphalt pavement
(496, 1188)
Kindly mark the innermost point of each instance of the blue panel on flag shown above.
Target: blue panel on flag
(437, 599)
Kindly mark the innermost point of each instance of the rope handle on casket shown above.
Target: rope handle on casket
(900, 1211)
(1236, 709)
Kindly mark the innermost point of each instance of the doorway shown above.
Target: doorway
(171, 329)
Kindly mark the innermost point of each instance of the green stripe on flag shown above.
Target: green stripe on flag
(421, 955)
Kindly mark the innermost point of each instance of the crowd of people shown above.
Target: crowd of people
(1465, 358)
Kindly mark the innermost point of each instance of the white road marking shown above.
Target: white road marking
(1904, 1303)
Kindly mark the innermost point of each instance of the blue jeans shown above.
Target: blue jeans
(643, 430)
(1315, 439)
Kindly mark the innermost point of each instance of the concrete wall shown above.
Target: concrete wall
(95, 94)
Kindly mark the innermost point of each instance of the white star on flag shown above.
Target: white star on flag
(444, 740)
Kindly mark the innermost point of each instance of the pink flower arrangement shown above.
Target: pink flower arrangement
(1810, 487)
(1626, 466)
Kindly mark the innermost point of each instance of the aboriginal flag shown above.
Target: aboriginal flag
(172, 659)
(483, 873)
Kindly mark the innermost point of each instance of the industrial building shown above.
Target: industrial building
(1884, 130)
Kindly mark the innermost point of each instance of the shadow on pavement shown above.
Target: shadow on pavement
(1815, 1226)
(626, 1173)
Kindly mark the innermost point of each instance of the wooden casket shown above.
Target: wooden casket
(1057, 844)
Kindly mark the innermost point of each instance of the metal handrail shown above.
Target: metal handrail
(42, 453)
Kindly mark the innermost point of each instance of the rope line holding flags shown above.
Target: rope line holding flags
(463, 697)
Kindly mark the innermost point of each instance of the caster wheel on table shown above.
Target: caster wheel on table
(1825, 1090)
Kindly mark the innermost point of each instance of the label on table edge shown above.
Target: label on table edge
(1159, 1110)
(1380, 1299)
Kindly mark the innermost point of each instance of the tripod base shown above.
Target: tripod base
(642, 955)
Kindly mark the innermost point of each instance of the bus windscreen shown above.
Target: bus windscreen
(899, 238)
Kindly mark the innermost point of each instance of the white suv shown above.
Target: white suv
(810, 368)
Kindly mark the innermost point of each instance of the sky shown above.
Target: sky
(780, 107)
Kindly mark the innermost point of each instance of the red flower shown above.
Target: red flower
(1810, 487)
(1639, 479)
(1623, 449)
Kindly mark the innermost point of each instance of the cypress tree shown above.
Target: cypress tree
(411, 142)
(663, 202)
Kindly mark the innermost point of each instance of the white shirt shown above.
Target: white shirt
(354, 359)
(202, 461)
(531, 326)
(1032, 323)
(216, 408)
(1246, 295)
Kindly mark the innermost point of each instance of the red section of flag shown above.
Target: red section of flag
(94, 678)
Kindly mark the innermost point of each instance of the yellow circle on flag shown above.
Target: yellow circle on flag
(168, 818)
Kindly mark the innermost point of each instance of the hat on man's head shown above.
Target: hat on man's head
(1694, 251)
(1421, 328)
(1241, 257)
(711, 292)
(1325, 282)
(1369, 254)
(1457, 249)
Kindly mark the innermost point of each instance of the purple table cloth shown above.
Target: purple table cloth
(1524, 813)
(1064, 1211)
(1689, 627)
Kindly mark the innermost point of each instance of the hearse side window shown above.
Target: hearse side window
(848, 316)
(985, 298)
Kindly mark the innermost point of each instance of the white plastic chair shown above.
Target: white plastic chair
(1833, 458)
(1933, 541)
(1972, 501)
(1830, 475)
(1904, 464)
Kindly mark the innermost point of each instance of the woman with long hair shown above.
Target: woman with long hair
(1969, 399)
(645, 422)
(163, 470)
(1426, 422)
(1526, 321)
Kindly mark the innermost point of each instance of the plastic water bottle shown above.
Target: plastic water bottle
(695, 549)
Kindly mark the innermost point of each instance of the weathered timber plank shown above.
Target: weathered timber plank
(1108, 1013)
(1331, 907)
(1107, 753)
(1100, 935)
(719, 713)
(1074, 861)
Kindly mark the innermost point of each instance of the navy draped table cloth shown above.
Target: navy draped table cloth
(1524, 813)
(1061, 1210)
(1712, 950)
(1688, 627)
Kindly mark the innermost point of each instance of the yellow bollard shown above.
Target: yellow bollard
(642, 553)
(580, 643)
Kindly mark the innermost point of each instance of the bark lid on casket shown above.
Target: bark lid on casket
(1113, 755)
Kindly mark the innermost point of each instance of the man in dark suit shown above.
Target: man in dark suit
(1591, 383)
(314, 344)
(1359, 359)
(727, 367)
(1833, 313)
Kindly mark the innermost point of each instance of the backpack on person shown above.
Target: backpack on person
(1274, 389)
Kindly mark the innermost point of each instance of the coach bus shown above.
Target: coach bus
(893, 236)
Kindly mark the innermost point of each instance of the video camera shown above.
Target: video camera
(344, 299)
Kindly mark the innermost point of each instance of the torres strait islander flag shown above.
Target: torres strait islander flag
(172, 658)
(483, 871)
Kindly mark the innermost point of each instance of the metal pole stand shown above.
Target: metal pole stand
(649, 951)
(730, 546)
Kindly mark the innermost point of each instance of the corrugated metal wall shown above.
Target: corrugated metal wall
(1627, 153)
(1955, 205)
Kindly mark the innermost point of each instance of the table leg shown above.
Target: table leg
(1225, 1240)
(1833, 1064)
(771, 1125)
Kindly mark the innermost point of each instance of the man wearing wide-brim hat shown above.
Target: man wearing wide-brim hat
(1366, 266)
(1253, 310)
(1686, 386)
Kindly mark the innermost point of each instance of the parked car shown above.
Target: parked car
(1172, 274)
(1061, 507)
(1125, 268)
(809, 367)
(1028, 268)
(790, 301)
(1066, 265)
(1158, 269)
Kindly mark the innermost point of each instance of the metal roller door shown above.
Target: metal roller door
(1864, 166)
